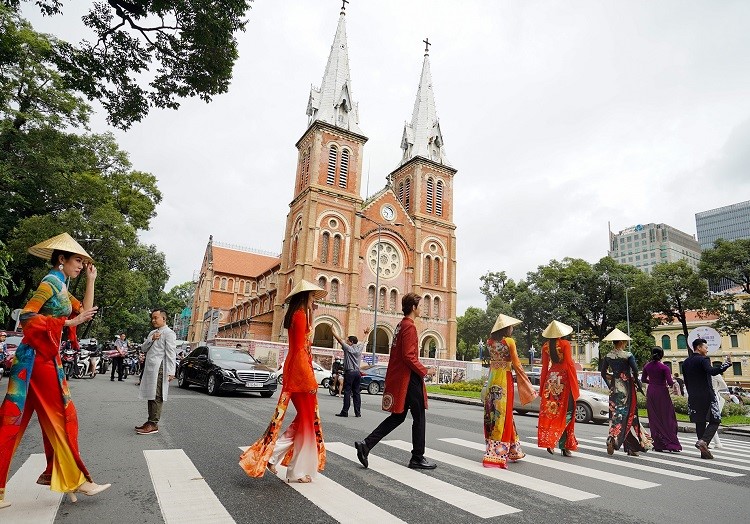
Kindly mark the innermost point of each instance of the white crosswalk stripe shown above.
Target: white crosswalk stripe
(30, 501)
(620, 480)
(466, 500)
(524, 481)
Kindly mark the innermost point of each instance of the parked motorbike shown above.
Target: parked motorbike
(82, 363)
(333, 384)
(69, 359)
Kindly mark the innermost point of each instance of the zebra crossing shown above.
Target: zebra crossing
(178, 484)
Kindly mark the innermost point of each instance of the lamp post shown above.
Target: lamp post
(627, 312)
(377, 284)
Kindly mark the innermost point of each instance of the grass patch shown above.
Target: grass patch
(431, 388)
(731, 420)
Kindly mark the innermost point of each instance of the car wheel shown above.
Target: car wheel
(373, 388)
(325, 382)
(182, 380)
(266, 394)
(583, 413)
(211, 386)
(280, 380)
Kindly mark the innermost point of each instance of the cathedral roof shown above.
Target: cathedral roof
(422, 136)
(237, 261)
(332, 101)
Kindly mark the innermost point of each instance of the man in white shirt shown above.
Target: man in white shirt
(160, 347)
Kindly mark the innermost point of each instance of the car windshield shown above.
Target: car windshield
(232, 354)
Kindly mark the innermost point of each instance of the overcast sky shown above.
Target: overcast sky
(560, 116)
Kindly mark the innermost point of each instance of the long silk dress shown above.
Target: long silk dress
(301, 446)
(501, 439)
(662, 421)
(37, 384)
(558, 392)
(624, 425)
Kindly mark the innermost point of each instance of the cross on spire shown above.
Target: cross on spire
(427, 45)
(343, 6)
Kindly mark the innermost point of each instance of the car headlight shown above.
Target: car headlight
(227, 373)
(273, 376)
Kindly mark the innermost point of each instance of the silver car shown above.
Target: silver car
(590, 406)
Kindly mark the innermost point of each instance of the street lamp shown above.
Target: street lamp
(377, 283)
(627, 311)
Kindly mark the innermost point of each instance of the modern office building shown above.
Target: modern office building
(644, 246)
(729, 222)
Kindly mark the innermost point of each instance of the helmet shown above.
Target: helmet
(3, 334)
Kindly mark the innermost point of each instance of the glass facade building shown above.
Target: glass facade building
(728, 222)
(645, 245)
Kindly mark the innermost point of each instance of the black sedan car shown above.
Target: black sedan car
(225, 369)
(373, 379)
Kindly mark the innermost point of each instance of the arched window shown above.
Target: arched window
(666, 342)
(247, 288)
(381, 299)
(426, 306)
(430, 194)
(289, 286)
(334, 296)
(336, 249)
(253, 287)
(324, 247)
(371, 297)
(439, 199)
(427, 266)
(306, 168)
(223, 285)
(407, 194)
(436, 272)
(393, 300)
(436, 307)
(681, 341)
(293, 254)
(217, 282)
(322, 282)
(256, 308)
(344, 168)
(401, 193)
(264, 305)
(230, 284)
(333, 154)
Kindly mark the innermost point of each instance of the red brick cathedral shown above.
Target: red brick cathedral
(366, 253)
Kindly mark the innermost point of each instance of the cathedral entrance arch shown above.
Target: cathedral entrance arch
(323, 337)
(429, 347)
(382, 341)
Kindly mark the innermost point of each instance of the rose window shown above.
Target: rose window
(390, 260)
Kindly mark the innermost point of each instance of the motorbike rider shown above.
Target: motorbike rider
(3, 352)
(338, 375)
(94, 353)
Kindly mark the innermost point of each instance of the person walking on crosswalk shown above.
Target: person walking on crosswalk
(558, 392)
(160, 347)
(501, 438)
(662, 421)
(37, 382)
(404, 390)
(624, 425)
(301, 447)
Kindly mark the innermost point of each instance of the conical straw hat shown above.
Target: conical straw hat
(302, 286)
(62, 242)
(616, 335)
(503, 321)
(557, 329)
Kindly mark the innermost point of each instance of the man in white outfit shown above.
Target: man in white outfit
(160, 348)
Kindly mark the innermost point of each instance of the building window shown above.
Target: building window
(247, 288)
(324, 248)
(439, 199)
(371, 297)
(666, 342)
(427, 302)
(733, 341)
(322, 283)
(427, 268)
(336, 249)
(681, 341)
(737, 368)
(436, 307)
(381, 299)
(223, 285)
(344, 168)
(333, 154)
(430, 194)
(306, 169)
(407, 194)
(334, 296)
(436, 272)
(401, 193)
(393, 300)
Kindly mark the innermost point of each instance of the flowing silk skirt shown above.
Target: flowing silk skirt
(557, 413)
(624, 424)
(501, 439)
(662, 421)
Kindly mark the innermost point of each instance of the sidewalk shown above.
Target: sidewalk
(682, 427)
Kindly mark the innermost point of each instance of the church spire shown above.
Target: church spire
(332, 102)
(422, 137)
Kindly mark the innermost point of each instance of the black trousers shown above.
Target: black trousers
(705, 430)
(117, 363)
(415, 404)
(352, 380)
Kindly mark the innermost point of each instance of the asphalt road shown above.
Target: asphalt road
(210, 431)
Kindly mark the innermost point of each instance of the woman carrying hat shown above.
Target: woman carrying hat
(558, 392)
(37, 382)
(500, 436)
(624, 426)
(662, 422)
(301, 447)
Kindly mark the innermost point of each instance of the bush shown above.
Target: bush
(732, 409)
(471, 385)
(680, 405)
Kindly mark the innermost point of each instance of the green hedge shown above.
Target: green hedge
(471, 385)
(681, 406)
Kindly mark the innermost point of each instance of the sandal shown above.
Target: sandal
(566, 453)
(271, 467)
(550, 451)
(302, 480)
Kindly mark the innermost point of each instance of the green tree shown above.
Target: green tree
(677, 288)
(178, 298)
(5, 283)
(728, 260)
(188, 48)
(473, 326)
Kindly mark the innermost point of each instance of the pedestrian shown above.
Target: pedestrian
(352, 377)
(300, 447)
(662, 421)
(680, 384)
(718, 383)
(118, 359)
(703, 406)
(3, 352)
(37, 382)
(624, 425)
(404, 389)
(160, 347)
(500, 435)
(558, 392)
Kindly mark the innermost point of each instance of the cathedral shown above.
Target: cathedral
(366, 253)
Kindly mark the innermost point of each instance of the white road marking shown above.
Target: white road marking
(503, 475)
(565, 465)
(184, 495)
(30, 502)
(466, 500)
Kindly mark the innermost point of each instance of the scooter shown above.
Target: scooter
(333, 384)
(82, 363)
(69, 361)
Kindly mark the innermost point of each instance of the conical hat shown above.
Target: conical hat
(615, 335)
(62, 242)
(504, 321)
(557, 329)
(302, 286)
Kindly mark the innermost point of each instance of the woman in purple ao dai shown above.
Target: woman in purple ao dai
(661, 418)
